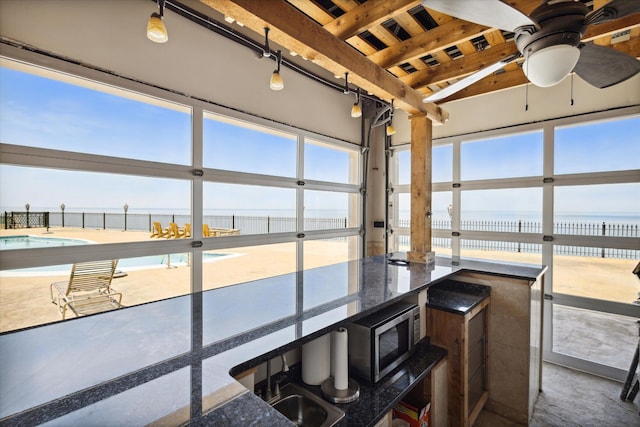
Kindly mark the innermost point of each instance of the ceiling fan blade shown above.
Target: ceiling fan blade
(603, 66)
(469, 80)
(613, 10)
(492, 13)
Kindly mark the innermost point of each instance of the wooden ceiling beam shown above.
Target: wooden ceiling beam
(450, 32)
(460, 67)
(367, 15)
(611, 27)
(295, 31)
(441, 37)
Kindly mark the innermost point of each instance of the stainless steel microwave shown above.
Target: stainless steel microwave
(378, 343)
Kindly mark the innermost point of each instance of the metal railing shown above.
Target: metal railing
(25, 220)
(520, 226)
(144, 222)
(279, 224)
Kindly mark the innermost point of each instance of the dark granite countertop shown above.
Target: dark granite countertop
(171, 360)
(456, 297)
(377, 399)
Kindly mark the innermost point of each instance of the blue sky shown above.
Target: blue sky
(40, 112)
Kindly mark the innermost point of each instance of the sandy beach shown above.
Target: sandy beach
(25, 300)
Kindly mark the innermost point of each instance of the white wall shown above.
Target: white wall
(507, 108)
(112, 35)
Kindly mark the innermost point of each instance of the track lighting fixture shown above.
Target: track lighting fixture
(266, 50)
(390, 129)
(276, 80)
(156, 31)
(356, 111)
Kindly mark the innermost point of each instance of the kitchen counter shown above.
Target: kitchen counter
(170, 361)
(457, 297)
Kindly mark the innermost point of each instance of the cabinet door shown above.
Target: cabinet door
(385, 421)
(477, 382)
(446, 330)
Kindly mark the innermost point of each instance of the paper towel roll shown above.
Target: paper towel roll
(340, 359)
(316, 360)
(333, 346)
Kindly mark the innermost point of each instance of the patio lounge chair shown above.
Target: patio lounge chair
(88, 289)
(186, 231)
(158, 231)
(215, 232)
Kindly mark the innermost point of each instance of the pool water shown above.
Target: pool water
(127, 264)
(30, 242)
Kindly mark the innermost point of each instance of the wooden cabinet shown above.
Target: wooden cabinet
(432, 388)
(515, 343)
(465, 338)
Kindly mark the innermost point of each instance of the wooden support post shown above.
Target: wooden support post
(421, 144)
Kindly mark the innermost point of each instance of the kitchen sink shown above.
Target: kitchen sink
(305, 409)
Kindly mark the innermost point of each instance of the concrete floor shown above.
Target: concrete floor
(574, 399)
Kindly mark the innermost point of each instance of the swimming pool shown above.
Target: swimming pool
(30, 242)
(124, 264)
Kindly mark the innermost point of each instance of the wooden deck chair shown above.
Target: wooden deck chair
(205, 230)
(186, 231)
(88, 289)
(158, 231)
(175, 231)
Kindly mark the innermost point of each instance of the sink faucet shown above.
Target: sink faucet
(270, 395)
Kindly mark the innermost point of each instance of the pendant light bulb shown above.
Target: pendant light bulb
(390, 130)
(156, 31)
(276, 82)
(356, 111)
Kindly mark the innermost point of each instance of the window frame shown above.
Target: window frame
(194, 172)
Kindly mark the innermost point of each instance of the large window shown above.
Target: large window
(41, 110)
(503, 157)
(502, 210)
(326, 210)
(598, 147)
(248, 209)
(564, 194)
(245, 147)
(327, 162)
(94, 172)
(442, 163)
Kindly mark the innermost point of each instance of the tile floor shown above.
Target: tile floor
(574, 399)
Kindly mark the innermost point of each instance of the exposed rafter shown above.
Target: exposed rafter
(398, 49)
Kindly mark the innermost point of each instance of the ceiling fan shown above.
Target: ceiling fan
(549, 39)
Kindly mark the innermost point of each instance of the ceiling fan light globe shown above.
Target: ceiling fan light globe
(156, 31)
(549, 66)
